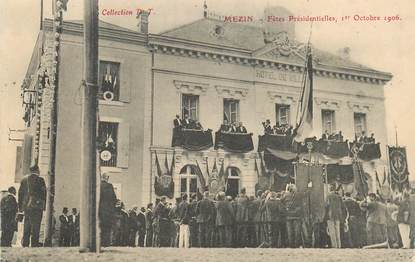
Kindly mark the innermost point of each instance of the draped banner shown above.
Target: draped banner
(193, 140)
(366, 152)
(360, 180)
(339, 173)
(234, 142)
(163, 184)
(309, 178)
(263, 179)
(333, 149)
(278, 142)
(398, 168)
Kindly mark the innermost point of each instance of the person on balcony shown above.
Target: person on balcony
(187, 122)
(225, 127)
(177, 122)
(339, 137)
(233, 128)
(198, 126)
(267, 127)
(241, 128)
(326, 135)
(371, 139)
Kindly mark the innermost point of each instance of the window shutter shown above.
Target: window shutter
(123, 144)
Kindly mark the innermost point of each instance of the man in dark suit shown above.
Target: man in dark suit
(233, 128)
(267, 127)
(9, 209)
(65, 229)
(242, 218)
(106, 211)
(177, 122)
(241, 128)
(205, 211)
(141, 219)
(149, 225)
(74, 218)
(224, 220)
(225, 126)
(133, 226)
(186, 122)
(32, 201)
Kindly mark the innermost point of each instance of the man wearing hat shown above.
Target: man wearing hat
(65, 229)
(8, 205)
(106, 211)
(32, 201)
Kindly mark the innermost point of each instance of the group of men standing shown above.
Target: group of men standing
(69, 228)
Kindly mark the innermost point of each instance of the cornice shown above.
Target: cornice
(224, 54)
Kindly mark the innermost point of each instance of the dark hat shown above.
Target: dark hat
(34, 169)
(143, 209)
(65, 210)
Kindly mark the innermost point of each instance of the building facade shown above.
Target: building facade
(208, 69)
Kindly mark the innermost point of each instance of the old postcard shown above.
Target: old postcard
(164, 130)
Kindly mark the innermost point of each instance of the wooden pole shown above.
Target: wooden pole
(88, 212)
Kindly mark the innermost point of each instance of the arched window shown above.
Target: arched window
(188, 180)
(232, 184)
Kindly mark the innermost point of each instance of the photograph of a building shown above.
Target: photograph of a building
(209, 70)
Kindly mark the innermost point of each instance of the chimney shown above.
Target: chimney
(344, 53)
(143, 21)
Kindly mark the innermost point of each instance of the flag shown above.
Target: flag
(256, 168)
(172, 164)
(222, 172)
(398, 167)
(166, 163)
(199, 174)
(159, 172)
(207, 168)
(215, 168)
(360, 179)
(263, 168)
(378, 180)
(305, 125)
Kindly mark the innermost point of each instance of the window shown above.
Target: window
(231, 110)
(328, 124)
(190, 106)
(232, 184)
(109, 81)
(188, 180)
(108, 144)
(283, 114)
(359, 123)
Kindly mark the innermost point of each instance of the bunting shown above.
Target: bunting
(163, 184)
(199, 174)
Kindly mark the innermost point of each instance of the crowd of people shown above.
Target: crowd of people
(277, 129)
(333, 137)
(270, 219)
(186, 123)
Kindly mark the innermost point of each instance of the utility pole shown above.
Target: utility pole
(88, 213)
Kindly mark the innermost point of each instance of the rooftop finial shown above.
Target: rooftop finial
(205, 13)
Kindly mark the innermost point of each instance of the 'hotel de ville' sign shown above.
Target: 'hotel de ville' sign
(279, 77)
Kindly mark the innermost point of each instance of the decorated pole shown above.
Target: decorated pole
(58, 7)
(88, 214)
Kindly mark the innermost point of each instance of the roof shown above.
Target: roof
(106, 25)
(250, 37)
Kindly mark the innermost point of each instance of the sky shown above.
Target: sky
(386, 46)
